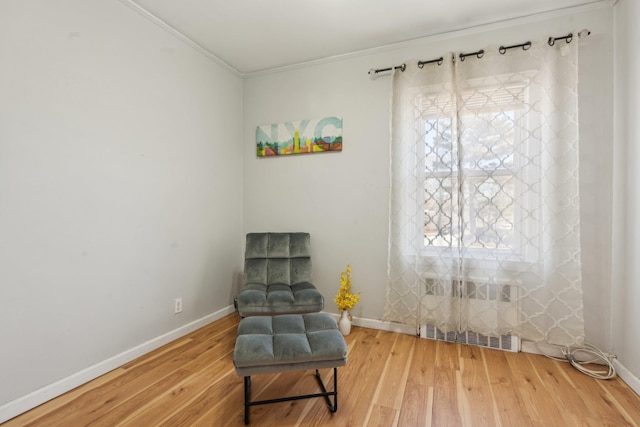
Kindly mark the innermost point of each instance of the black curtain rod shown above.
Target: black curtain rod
(375, 71)
(568, 38)
(480, 53)
(503, 49)
(423, 63)
(524, 46)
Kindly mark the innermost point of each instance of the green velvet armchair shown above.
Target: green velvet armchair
(277, 276)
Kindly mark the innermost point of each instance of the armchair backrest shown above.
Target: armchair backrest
(277, 258)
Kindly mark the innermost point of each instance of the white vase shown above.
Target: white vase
(344, 323)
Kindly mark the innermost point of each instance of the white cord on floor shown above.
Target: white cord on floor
(594, 354)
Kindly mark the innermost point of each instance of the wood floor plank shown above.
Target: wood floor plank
(423, 362)
(391, 386)
(91, 405)
(625, 398)
(474, 391)
(429, 409)
(382, 416)
(621, 411)
(158, 355)
(138, 401)
(571, 419)
(227, 411)
(212, 351)
(507, 401)
(419, 383)
(445, 398)
(177, 397)
(125, 411)
(290, 384)
(552, 374)
(358, 380)
(389, 380)
(41, 412)
(204, 403)
(447, 355)
(597, 404)
(542, 406)
(414, 405)
(226, 325)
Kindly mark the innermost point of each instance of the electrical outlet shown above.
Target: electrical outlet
(177, 305)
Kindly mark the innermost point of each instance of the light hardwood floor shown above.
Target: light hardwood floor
(390, 379)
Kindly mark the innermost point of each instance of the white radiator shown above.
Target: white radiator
(482, 301)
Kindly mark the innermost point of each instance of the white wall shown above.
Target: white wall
(120, 186)
(342, 198)
(626, 250)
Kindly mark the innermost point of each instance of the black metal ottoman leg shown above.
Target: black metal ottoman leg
(247, 398)
(335, 389)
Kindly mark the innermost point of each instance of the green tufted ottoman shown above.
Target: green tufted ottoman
(289, 342)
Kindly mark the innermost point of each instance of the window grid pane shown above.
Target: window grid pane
(486, 212)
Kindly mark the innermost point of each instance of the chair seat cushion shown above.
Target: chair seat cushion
(257, 299)
(268, 344)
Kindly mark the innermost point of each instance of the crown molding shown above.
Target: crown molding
(459, 32)
(435, 37)
(180, 36)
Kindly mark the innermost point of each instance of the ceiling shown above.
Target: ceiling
(256, 35)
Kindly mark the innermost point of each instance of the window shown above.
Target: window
(470, 184)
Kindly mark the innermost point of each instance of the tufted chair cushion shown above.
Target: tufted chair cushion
(277, 276)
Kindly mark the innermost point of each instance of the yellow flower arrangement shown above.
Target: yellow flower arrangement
(345, 298)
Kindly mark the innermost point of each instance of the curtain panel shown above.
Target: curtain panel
(484, 215)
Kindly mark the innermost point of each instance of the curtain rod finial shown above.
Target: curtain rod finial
(584, 33)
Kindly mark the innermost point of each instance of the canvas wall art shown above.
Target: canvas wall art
(304, 136)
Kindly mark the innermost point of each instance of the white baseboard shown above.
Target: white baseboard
(627, 376)
(381, 325)
(37, 397)
(532, 347)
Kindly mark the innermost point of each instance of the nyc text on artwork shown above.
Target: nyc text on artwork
(304, 136)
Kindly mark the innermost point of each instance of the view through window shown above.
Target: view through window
(470, 182)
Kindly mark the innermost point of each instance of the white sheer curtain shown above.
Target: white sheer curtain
(485, 220)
